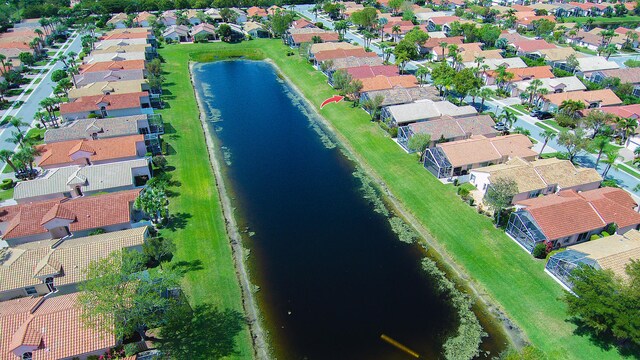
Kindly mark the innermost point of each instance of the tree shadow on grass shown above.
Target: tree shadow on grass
(183, 267)
(178, 221)
(605, 341)
(203, 332)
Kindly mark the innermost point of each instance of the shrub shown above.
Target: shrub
(6, 184)
(604, 234)
(164, 148)
(319, 25)
(471, 202)
(131, 349)
(610, 183)
(456, 183)
(97, 232)
(92, 116)
(611, 228)
(540, 251)
(160, 161)
(463, 192)
(594, 237)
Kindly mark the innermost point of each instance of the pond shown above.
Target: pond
(332, 275)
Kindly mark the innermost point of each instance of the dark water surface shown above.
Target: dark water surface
(332, 275)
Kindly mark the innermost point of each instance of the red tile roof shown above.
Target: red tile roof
(568, 213)
(442, 20)
(342, 53)
(624, 111)
(15, 45)
(85, 213)
(534, 72)
(382, 82)
(111, 102)
(256, 11)
(50, 330)
(533, 45)
(113, 65)
(589, 6)
(325, 37)
(301, 23)
(363, 72)
(405, 26)
(435, 42)
(59, 153)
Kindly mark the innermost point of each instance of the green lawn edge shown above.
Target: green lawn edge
(496, 265)
(202, 241)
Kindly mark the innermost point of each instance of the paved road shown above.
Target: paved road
(41, 91)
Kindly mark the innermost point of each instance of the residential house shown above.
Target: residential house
(399, 115)
(123, 42)
(148, 49)
(59, 218)
(142, 19)
(107, 105)
(168, 18)
(458, 158)
(330, 55)
(114, 56)
(273, 9)
(441, 23)
(128, 34)
(527, 22)
(566, 10)
(626, 112)
(193, 17)
(382, 82)
(204, 29)
(557, 57)
(319, 47)
(352, 61)
(592, 99)
(536, 178)
(590, 9)
(118, 21)
(91, 152)
(109, 87)
(59, 265)
(611, 253)
(399, 96)
(623, 33)
(447, 128)
(626, 75)
(302, 24)
(256, 12)
(295, 37)
(433, 46)
(214, 15)
(256, 30)
(88, 78)
(495, 62)
(241, 15)
(403, 28)
(530, 48)
(569, 217)
(113, 66)
(423, 17)
(552, 85)
(176, 33)
(366, 72)
(49, 328)
(520, 74)
(102, 128)
(74, 181)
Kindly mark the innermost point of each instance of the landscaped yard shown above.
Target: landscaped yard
(496, 265)
(604, 20)
(553, 124)
(6, 194)
(546, 127)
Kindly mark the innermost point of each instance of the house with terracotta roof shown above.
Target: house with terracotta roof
(255, 11)
(536, 178)
(58, 265)
(107, 105)
(90, 152)
(447, 128)
(113, 66)
(48, 328)
(319, 47)
(273, 9)
(104, 48)
(528, 21)
(403, 26)
(591, 9)
(458, 158)
(330, 55)
(118, 21)
(59, 218)
(302, 24)
(168, 18)
(529, 47)
(295, 37)
(75, 181)
(441, 23)
(115, 56)
(365, 72)
(204, 29)
(569, 217)
(611, 253)
(626, 75)
(353, 61)
(521, 74)
(142, 19)
(127, 35)
(589, 65)
(424, 110)
(433, 45)
(592, 99)
(123, 42)
(382, 82)
(495, 62)
(176, 33)
(553, 85)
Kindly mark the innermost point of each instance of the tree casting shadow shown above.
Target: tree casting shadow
(605, 341)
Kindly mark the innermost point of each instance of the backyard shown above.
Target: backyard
(496, 266)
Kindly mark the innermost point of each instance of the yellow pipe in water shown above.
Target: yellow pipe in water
(399, 346)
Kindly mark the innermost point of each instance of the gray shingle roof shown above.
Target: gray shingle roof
(103, 128)
(404, 96)
(92, 178)
(427, 109)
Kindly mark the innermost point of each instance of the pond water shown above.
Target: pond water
(332, 276)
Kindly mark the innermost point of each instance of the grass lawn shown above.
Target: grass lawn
(496, 265)
(584, 50)
(607, 148)
(6, 194)
(604, 20)
(199, 233)
(553, 124)
(520, 108)
(540, 124)
(630, 168)
(35, 136)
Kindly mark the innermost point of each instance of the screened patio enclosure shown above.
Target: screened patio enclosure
(437, 163)
(523, 228)
(404, 134)
(563, 263)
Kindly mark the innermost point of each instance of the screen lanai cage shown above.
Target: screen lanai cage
(563, 263)
(524, 230)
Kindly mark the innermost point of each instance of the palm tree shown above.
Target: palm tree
(7, 156)
(508, 118)
(609, 50)
(532, 89)
(571, 107)
(41, 117)
(15, 121)
(152, 202)
(609, 160)
(628, 126)
(3, 63)
(16, 138)
(600, 143)
(547, 135)
(422, 73)
(474, 93)
(484, 94)
(381, 23)
(443, 45)
(395, 30)
(478, 60)
(39, 33)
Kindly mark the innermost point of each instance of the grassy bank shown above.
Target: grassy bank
(198, 228)
(493, 262)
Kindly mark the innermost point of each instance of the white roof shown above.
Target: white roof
(569, 83)
(437, 34)
(510, 63)
(92, 178)
(427, 109)
(593, 63)
(424, 16)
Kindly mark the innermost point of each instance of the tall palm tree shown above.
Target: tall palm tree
(628, 126)
(609, 160)
(547, 135)
(508, 118)
(41, 117)
(3, 64)
(600, 143)
(16, 138)
(7, 156)
(571, 107)
(443, 45)
(478, 60)
(484, 94)
(395, 30)
(532, 89)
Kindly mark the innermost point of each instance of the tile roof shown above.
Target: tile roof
(127, 35)
(623, 111)
(108, 149)
(604, 97)
(489, 55)
(103, 128)
(435, 42)
(65, 261)
(324, 36)
(593, 63)
(110, 87)
(479, 149)
(612, 252)
(15, 45)
(568, 213)
(511, 63)
(528, 46)
(442, 20)
(559, 54)
(349, 62)
(111, 102)
(404, 96)
(450, 128)
(526, 73)
(203, 27)
(527, 20)
(256, 11)
(427, 109)
(94, 178)
(107, 49)
(301, 23)
(316, 48)
(627, 75)
(381, 82)
(90, 213)
(113, 65)
(363, 72)
(88, 78)
(114, 56)
(342, 53)
(50, 327)
(566, 84)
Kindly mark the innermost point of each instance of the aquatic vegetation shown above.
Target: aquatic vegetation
(405, 233)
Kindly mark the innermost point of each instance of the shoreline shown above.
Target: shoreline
(251, 310)
(486, 305)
